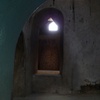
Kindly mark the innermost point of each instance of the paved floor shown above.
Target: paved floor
(61, 97)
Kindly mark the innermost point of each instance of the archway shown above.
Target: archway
(48, 46)
(37, 38)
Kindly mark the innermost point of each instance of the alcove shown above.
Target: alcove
(47, 46)
(39, 52)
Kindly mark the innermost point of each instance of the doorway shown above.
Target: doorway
(49, 43)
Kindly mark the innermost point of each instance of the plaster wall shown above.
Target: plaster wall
(81, 46)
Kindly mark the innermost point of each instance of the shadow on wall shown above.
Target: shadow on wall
(19, 69)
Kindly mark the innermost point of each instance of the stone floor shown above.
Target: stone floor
(61, 97)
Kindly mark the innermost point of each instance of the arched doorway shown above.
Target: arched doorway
(43, 53)
(48, 45)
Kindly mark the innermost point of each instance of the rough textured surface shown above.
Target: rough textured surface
(81, 46)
